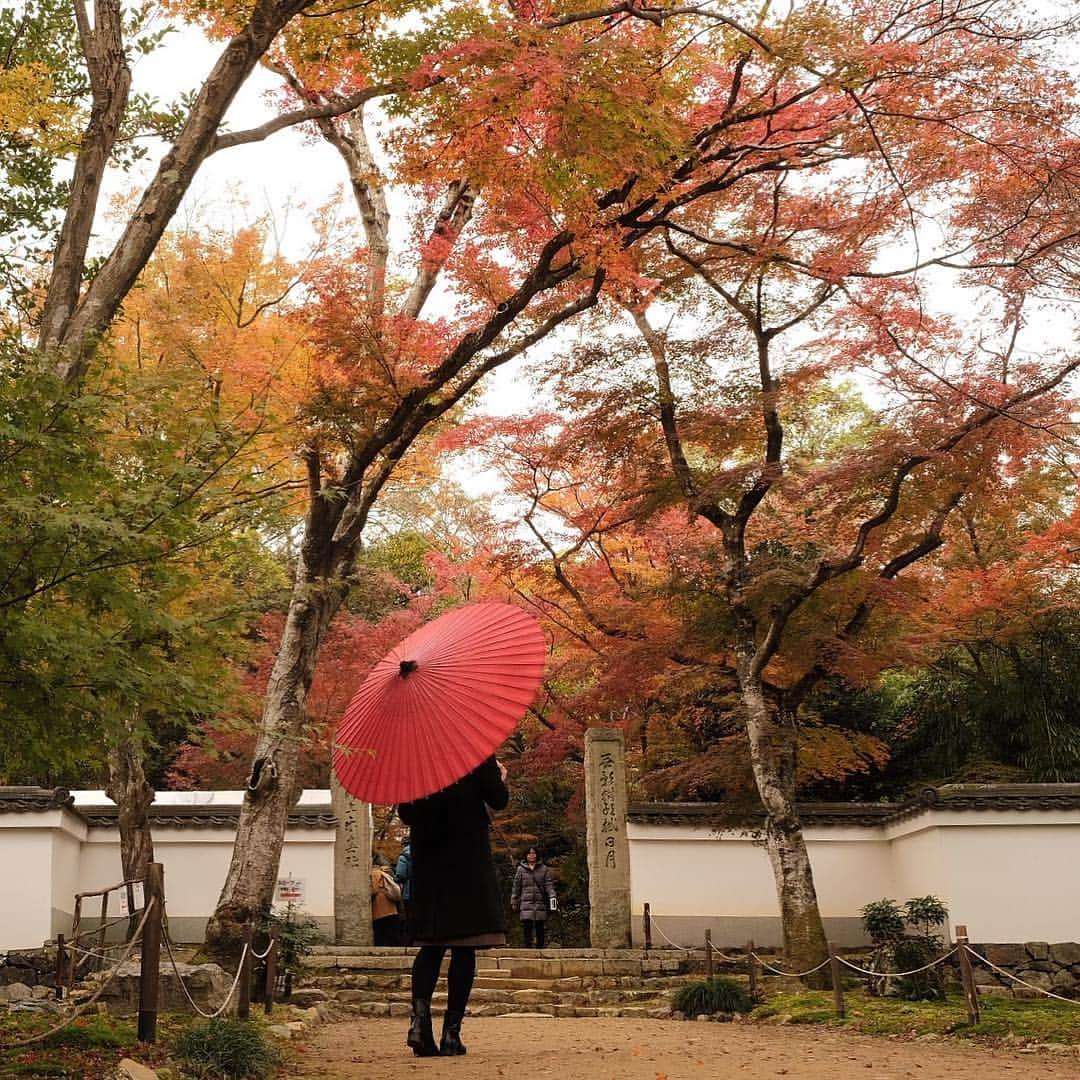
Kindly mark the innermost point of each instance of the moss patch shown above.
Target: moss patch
(1002, 1018)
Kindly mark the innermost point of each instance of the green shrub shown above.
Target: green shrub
(712, 996)
(221, 1049)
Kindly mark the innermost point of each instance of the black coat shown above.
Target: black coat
(455, 890)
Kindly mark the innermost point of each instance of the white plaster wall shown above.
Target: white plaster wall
(26, 883)
(196, 861)
(849, 870)
(686, 871)
(1012, 882)
(66, 859)
(691, 872)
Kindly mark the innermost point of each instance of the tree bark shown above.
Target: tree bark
(73, 332)
(133, 795)
(774, 758)
(249, 884)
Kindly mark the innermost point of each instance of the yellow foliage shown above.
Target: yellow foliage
(29, 111)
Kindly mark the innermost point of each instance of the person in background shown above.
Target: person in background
(455, 900)
(533, 896)
(385, 894)
(403, 876)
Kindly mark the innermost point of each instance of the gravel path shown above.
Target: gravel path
(534, 1048)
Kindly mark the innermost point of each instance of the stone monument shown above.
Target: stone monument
(352, 867)
(609, 849)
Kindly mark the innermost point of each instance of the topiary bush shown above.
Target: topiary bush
(222, 1049)
(712, 996)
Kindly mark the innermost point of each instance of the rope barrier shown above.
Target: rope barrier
(898, 974)
(1017, 979)
(790, 974)
(262, 955)
(97, 993)
(691, 948)
(183, 986)
(673, 944)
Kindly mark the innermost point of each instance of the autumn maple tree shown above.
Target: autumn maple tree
(855, 168)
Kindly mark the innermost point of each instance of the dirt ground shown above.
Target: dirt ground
(533, 1048)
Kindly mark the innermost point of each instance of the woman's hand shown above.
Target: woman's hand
(502, 770)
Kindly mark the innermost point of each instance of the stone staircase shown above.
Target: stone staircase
(527, 982)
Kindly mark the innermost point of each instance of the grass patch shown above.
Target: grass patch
(229, 1049)
(92, 1047)
(712, 996)
(1002, 1018)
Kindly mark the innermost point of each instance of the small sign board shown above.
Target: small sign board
(137, 896)
(290, 890)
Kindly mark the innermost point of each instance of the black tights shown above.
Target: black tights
(529, 925)
(459, 979)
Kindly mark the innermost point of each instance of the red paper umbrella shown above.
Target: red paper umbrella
(439, 703)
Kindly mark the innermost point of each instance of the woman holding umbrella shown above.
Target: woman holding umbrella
(421, 733)
(455, 898)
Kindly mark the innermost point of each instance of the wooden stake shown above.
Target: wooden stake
(708, 955)
(61, 965)
(837, 982)
(751, 970)
(967, 976)
(243, 1007)
(646, 920)
(271, 975)
(149, 973)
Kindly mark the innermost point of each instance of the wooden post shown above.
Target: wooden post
(708, 955)
(967, 976)
(75, 920)
(99, 960)
(646, 920)
(751, 970)
(271, 975)
(149, 973)
(837, 983)
(61, 968)
(243, 1006)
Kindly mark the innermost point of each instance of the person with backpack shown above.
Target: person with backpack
(533, 897)
(403, 876)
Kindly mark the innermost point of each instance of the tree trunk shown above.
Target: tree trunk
(128, 788)
(249, 885)
(774, 757)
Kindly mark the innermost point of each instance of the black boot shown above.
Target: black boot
(451, 1044)
(421, 1038)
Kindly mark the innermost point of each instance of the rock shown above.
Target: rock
(701, 1017)
(41, 993)
(1063, 980)
(16, 992)
(1005, 955)
(1041, 965)
(307, 996)
(1065, 953)
(1036, 978)
(280, 1031)
(132, 1070)
(984, 976)
(399, 1008)
(1037, 950)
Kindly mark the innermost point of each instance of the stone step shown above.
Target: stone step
(641, 1011)
(388, 981)
(508, 966)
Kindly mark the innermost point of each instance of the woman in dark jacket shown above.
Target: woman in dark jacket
(455, 900)
(532, 895)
